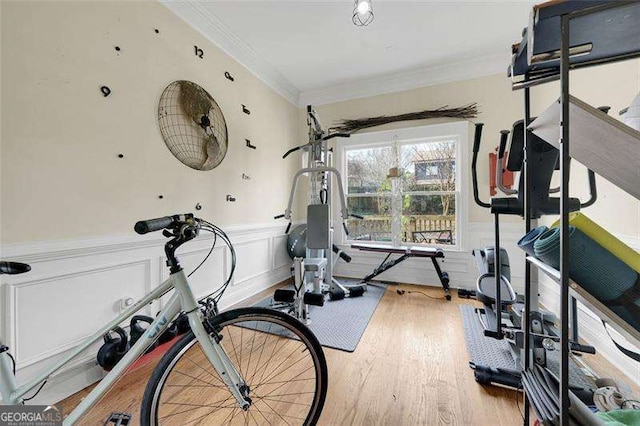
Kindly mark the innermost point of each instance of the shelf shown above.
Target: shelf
(603, 144)
(600, 309)
(583, 296)
(551, 272)
(618, 37)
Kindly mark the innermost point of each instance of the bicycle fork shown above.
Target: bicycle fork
(218, 357)
(211, 347)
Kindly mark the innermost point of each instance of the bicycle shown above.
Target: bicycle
(246, 365)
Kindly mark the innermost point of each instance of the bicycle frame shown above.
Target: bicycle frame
(183, 299)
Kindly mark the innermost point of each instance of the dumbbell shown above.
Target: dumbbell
(113, 348)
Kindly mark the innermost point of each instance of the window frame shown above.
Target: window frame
(458, 131)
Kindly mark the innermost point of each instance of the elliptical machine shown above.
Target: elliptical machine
(313, 274)
(504, 319)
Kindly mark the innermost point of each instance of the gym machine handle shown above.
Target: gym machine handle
(504, 134)
(280, 216)
(286, 154)
(474, 173)
(344, 256)
(592, 190)
(288, 228)
(336, 135)
(357, 216)
(577, 347)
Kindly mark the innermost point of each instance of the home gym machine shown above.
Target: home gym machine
(313, 274)
(504, 320)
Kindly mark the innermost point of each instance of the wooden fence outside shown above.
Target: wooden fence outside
(417, 229)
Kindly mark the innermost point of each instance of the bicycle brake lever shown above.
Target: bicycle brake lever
(167, 233)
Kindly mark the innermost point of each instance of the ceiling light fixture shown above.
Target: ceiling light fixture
(362, 13)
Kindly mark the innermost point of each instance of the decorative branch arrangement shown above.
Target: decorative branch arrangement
(352, 126)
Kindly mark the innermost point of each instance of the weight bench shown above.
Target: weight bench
(406, 253)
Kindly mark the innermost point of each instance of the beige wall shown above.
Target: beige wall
(61, 177)
(615, 85)
(498, 106)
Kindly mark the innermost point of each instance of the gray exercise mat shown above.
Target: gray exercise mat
(484, 350)
(340, 324)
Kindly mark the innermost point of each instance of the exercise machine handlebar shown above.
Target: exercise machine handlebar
(326, 138)
(593, 191)
(286, 154)
(474, 174)
(504, 134)
(336, 135)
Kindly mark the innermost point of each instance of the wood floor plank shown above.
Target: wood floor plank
(410, 368)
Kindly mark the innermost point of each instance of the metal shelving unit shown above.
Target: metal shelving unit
(558, 121)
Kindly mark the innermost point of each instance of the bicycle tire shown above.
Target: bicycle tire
(175, 393)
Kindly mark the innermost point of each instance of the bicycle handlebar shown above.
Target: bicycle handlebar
(13, 268)
(151, 225)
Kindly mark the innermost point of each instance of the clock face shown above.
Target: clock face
(191, 122)
(192, 125)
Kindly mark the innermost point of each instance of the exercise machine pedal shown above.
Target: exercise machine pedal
(336, 293)
(284, 295)
(356, 291)
(118, 419)
(315, 299)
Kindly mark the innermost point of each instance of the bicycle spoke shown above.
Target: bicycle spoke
(278, 414)
(196, 378)
(192, 409)
(285, 360)
(262, 350)
(276, 358)
(203, 369)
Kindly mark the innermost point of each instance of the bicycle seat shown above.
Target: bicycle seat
(13, 268)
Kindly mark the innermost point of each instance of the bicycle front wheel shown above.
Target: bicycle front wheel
(278, 357)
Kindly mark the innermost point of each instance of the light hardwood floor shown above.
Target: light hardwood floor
(410, 368)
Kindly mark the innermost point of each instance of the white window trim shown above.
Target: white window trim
(458, 131)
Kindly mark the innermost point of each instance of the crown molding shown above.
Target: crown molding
(406, 80)
(206, 23)
(200, 18)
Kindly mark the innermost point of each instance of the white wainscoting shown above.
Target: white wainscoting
(75, 287)
(460, 265)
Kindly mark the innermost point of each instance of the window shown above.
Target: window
(406, 183)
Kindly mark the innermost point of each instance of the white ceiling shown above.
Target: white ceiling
(310, 50)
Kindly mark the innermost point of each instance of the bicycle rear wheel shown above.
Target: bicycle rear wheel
(279, 358)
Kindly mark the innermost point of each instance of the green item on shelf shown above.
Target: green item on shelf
(620, 417)
(596, 270)
(604, 238)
